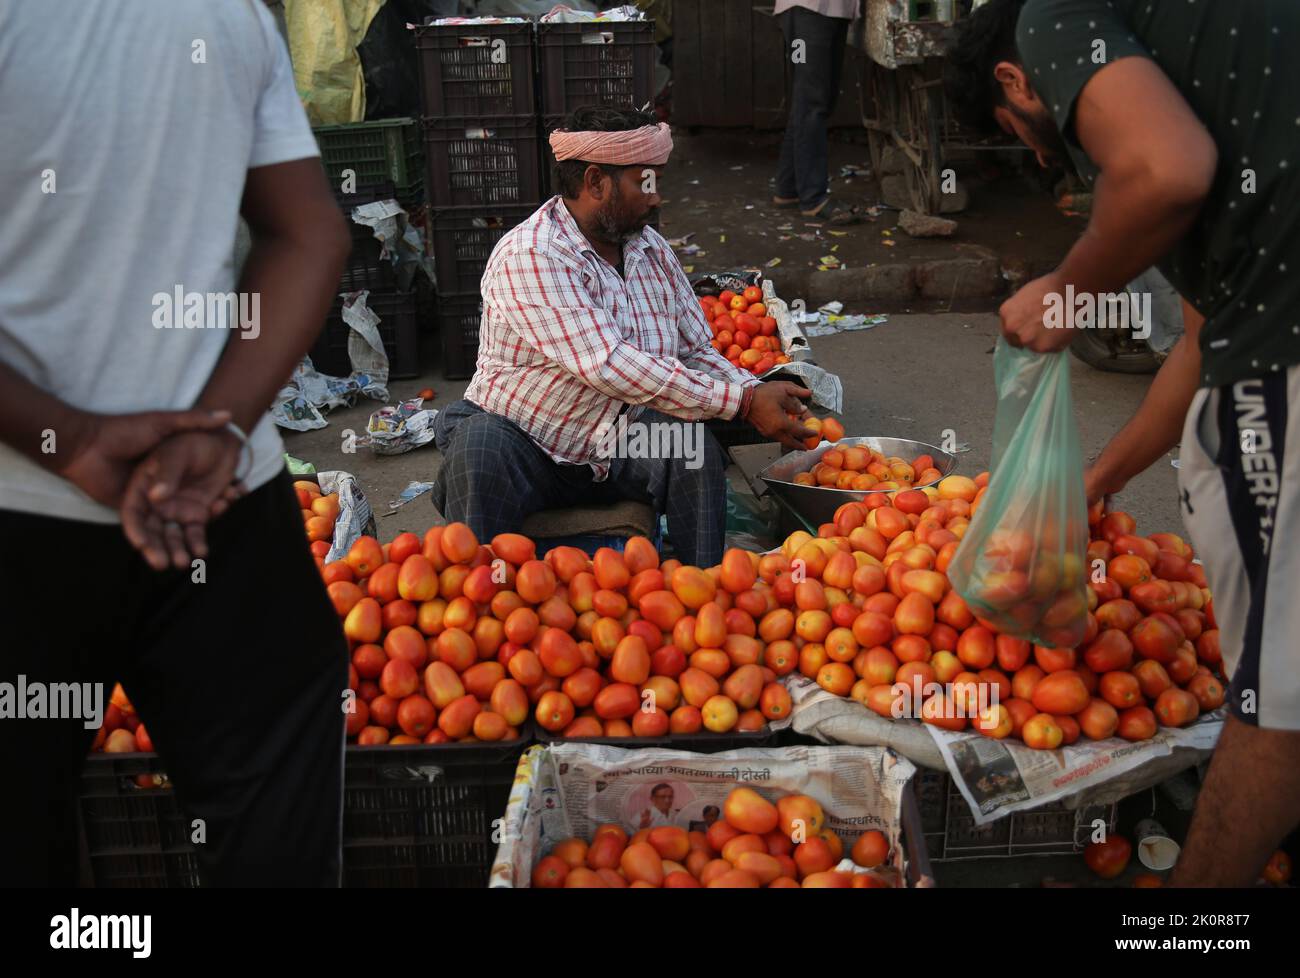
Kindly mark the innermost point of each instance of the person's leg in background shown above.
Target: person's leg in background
(787, 180)
(816, 45)
(493, 474)
(690, 487)
(1243, 529)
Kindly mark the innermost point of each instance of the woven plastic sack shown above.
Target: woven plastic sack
(1022, 565)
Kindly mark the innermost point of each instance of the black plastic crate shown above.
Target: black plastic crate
(476, 70)
(382, 150)
(133, 836)
(483, 163)
(549, 124)
(463, 239)
(411, 200)
(951, 832)
(428, 815)
(398, 328)
(412, 816)
(459, 317)
(596, 64)
(366, 269)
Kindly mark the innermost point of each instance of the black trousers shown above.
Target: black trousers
(493, 475)
(803, 171)
(238, 680)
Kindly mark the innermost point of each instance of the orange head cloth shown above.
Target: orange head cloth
(650, 145)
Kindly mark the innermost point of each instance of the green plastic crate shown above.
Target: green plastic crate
(387, 150)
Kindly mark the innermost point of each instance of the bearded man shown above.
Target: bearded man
(1182, 119)
(590, 327)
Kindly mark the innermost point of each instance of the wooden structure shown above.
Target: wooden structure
(904, 83)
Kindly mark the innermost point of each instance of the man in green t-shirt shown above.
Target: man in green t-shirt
(1183, 118)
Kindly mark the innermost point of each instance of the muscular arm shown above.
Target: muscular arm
(300, 242)
(1157, 165)
(1158, 423)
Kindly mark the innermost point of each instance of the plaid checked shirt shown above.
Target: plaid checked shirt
(566, 344)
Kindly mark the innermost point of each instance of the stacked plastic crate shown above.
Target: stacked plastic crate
(482, 166)
(367, 162)
(488, 165)
(601, 63)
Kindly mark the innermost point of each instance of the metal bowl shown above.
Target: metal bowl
(817, 504)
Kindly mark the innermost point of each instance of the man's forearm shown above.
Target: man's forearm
(1158, 423)
(27, 413)
(1134, 223)
(295, 280)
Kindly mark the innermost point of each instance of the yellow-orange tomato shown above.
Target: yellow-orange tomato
(813, 626)
(692, 586)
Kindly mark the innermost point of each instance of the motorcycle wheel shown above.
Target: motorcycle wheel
(1115, 351)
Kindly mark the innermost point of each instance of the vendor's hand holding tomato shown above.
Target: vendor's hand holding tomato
(1022, 316)
(770, 411)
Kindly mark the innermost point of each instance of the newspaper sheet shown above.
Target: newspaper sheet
(793, 340)
(836, 720)
(400, 427)
(301, 402)
(401, 244)
(355, 517)
(827, 391)
(998, 777)
(566, 790)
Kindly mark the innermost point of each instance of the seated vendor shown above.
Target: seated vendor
(595, 361)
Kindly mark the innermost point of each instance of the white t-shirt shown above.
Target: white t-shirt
(143, 119)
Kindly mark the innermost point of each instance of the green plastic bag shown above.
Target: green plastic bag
(750, 524)
(1022, 564)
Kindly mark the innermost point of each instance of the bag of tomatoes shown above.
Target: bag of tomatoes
(1022, 565)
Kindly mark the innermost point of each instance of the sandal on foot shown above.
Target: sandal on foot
(836, 212)
(785, 203)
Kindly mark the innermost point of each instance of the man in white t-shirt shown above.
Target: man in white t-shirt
(151, 534)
